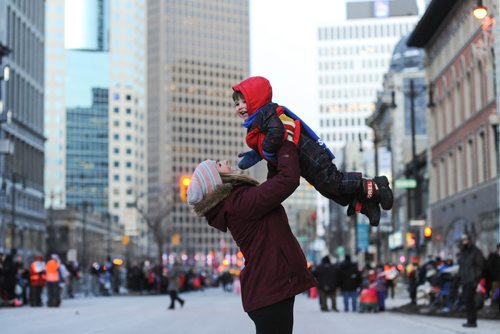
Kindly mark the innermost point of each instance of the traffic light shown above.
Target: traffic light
(427, 233)
(183, 186)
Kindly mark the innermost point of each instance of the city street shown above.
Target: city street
(212, 311)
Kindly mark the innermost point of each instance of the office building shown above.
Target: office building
(22, 220)
(353, 56)
(196, 51)
(95, 109)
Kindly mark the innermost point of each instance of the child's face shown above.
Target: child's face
(224, 166)
(241, 108)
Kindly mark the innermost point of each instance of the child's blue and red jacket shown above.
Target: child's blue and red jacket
(266, 131)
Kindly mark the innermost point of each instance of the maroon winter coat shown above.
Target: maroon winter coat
(275, 266)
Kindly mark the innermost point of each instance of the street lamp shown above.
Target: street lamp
(85, 205)
(6, 73)
(480, 11)
(14, 181)
(413, 200)
(4, 51)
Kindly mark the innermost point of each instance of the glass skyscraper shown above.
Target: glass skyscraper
(87, 153)
(95, 109)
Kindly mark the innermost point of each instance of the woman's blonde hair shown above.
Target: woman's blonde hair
(237, 179)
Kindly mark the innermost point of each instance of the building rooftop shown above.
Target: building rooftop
(433, 17)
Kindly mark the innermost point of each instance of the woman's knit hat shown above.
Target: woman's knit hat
(205, 179)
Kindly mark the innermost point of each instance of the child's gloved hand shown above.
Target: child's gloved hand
(271, 157)
(250, 158)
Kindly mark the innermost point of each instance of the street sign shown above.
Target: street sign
(405, 184)
(417, 222)
(363, 234)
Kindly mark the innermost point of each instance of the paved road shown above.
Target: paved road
(212, 311)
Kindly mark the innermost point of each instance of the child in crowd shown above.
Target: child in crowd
(270, 124)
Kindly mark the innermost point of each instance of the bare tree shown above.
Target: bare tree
(156, 219)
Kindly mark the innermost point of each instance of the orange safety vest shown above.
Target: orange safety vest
(52, 271)
(37, 273)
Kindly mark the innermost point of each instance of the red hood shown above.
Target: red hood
(257, 92)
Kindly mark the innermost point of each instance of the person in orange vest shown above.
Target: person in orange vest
(37, 280)
(52, 276)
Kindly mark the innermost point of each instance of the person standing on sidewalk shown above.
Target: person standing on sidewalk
(350, 283)
(471, 264)
(275, 266)
(37, 281)
(53, 277)
(493, 264)
(326, 274)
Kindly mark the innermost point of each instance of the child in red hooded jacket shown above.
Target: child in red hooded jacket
(270, 124)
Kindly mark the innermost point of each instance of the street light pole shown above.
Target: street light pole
(84, 235)
(13, 210)
(413, 147)
(109, 234)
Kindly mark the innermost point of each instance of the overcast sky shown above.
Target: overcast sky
(283, 48)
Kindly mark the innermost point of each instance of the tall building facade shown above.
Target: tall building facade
(353, 56)
(393, 131)
(127, 117)
(463, 124)
(22, 221)
(77, 67)
(95, 108)
(95, 122)
(196, 51)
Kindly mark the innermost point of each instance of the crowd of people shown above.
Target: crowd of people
(23, 283)
(445, 285)
(462, 285)
(368, 286)
(48, 281)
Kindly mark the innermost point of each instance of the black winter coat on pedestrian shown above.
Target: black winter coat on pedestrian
(493, 265)
(471, 262)
(327, 276)
(350, 276)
